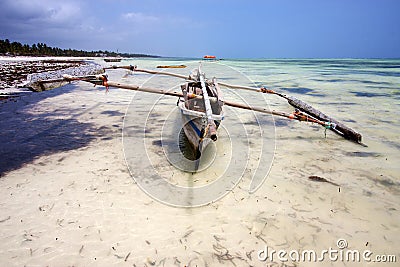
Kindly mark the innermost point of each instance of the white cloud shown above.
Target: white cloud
(45, 20)
(139, 17)
(63, 13)
(45, 11)
(91, 25)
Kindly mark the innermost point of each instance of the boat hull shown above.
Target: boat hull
(112, 59)
(194, 124)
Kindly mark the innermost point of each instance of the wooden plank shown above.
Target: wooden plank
(212, 129)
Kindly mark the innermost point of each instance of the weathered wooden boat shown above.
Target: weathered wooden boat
(171, 66)
(201, 104)
(112, 59)
(201, 116)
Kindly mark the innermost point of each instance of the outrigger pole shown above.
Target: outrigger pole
(300, 106)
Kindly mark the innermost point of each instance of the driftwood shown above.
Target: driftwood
(321, 179)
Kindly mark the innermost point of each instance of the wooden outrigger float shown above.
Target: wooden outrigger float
(201, 105)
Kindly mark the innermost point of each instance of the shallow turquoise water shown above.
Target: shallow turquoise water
(101, 215)
(288, 209)
(362, 93)
(365, 93)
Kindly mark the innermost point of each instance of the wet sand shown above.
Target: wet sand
(67, 197)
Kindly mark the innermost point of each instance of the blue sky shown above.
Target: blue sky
(227, 29)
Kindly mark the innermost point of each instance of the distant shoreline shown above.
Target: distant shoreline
(40, 57)
(8, 48)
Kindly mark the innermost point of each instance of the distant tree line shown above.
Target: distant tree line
(41, 49)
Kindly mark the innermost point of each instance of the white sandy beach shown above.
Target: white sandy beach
(67, 197)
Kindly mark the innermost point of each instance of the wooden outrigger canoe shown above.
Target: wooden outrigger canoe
(201, 103)
(200, 116)
(171, 66)
(112, 59)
